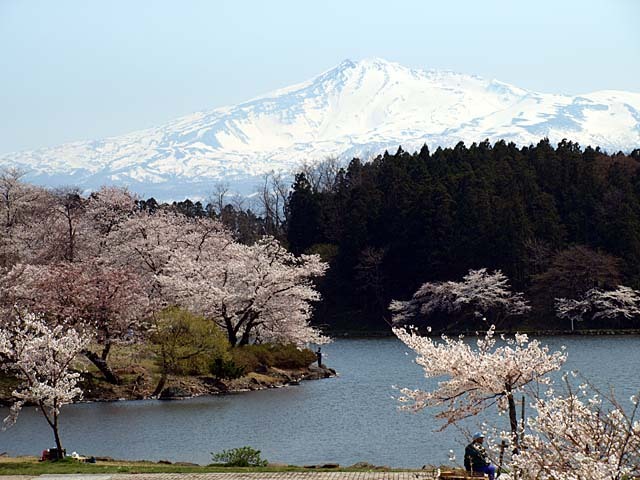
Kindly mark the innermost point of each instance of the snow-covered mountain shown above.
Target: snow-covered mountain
(354, 109)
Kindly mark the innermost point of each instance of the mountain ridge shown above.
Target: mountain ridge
(354, 109)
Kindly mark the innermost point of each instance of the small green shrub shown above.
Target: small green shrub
(222, 368)
(289, 356)
(249, 357)
(240, 457)
(185, 343)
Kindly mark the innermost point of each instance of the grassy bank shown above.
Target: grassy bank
(32, 466)
(253, 367)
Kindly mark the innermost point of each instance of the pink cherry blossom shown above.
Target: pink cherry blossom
(257, 292)
(41, 357)
(483, 292)
(474, 379)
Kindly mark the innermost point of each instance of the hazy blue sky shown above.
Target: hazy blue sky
(75, 70)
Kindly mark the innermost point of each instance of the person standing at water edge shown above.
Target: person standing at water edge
(476, 459)
(319, 357)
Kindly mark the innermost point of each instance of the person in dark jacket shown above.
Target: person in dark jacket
(476, 458)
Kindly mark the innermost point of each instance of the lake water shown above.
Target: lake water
(346, 419)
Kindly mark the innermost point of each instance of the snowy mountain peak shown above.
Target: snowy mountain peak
(374, 63)
(354, 109)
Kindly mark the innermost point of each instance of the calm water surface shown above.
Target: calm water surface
(346, 419)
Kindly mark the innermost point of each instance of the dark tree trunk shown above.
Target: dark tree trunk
(245, 338)
(249, 324)
(57, 436)
(102, 365)
(231, 335)
(161, 383)
(231, 332)
(105, 351)
(52, 419)
(163, 377)
(513, 421)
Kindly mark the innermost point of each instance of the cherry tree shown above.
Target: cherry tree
(474, 379)
(105, 209)
(621, 302)
(109, 206)
(69, 227)
(56, 228)
(18, 200)
(67, 224)
(146, 241)
(108, 303)
(573, 310)
(41, 356)
(580, 435)
(257, 292)
(483, 292)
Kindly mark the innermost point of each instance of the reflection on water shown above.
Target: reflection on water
(346, 419)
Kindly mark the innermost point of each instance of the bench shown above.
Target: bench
(461, 475)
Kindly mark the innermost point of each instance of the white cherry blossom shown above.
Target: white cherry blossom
(476, 378)
(40, 356)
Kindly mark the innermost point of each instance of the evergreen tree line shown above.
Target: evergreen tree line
(557, 221)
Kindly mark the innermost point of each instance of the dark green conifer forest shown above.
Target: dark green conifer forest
(557, 221)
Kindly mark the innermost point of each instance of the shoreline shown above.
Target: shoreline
(359, 334)
(185, 387)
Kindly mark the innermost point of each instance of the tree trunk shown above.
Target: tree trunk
(105, 351)
(231, 335)
(513, 421)
(245, 338)
(249, 324)
(231, 332)
(161, 383)
(57, 436)
(53, 423)
(102, 365)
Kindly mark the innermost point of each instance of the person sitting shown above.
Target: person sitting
(476, 459)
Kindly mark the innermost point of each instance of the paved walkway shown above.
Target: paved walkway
(420, 475)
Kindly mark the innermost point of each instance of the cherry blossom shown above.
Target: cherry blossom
(146, 241)
(485, 293)
(108, 303)
(257, 292)
(474, 379)
(621, 302)
(105, 210)
(18, 201)
(40, 356)
(581, 435)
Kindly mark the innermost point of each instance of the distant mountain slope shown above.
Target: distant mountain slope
(354, 109)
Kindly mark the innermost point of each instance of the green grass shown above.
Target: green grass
(31, 466)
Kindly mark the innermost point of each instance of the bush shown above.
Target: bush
(240, 457)
(249, 357)
(222, 368)
(289, 356)
(185, 343)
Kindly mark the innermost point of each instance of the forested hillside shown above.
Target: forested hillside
(557, 221)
